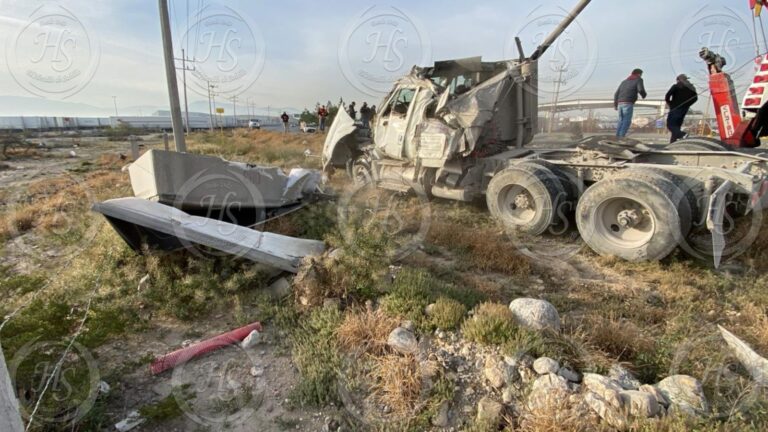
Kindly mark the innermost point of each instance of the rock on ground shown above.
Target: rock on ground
(545, 365)
(442, 418)
(488, 410)
(685, 394)
(653, 391)
(623, 377)
(604, 387)
(403, 341)
(535, 314)
(548, 391)
(640, 404)
(606, 410)
(569, 374)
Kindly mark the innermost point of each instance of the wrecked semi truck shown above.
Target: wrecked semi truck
(459, 129)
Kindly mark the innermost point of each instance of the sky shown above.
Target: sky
(84, 57)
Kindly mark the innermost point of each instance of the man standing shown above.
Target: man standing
(284, 117)
(365, 115)
(624, 100)
(322, 113)
(351, 111)
(680, 98)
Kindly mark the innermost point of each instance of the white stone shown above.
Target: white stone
(250, 341)
(545, 365)
(535, 314)
(684, 394)
(403, 341)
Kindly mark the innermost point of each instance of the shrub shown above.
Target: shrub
(447, 313)
(316, 356)
(492, 324)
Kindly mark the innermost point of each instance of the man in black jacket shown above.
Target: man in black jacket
(680, 98)
(624, 100)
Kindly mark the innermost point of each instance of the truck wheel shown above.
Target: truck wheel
(698, 144)
(360, 172)
(684, 196)
(525, 199)
(635, 219)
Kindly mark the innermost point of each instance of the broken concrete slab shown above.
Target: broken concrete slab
(138, 220)
(756, 365)
(188, 181)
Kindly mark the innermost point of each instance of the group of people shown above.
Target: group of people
(366, 113)
(680, 97)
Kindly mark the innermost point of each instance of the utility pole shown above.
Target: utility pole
(184, 70)
(213, 97)
(234, 108)
(556, 98)
(114, 100)
(170, 74)
(209, 87)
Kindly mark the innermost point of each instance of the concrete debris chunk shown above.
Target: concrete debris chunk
(756, 365)
(136, 219)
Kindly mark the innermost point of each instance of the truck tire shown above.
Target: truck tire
(571, 185)
(684, 196)
(525, 199)
(635, 219)
(698, 144)
(360, 171)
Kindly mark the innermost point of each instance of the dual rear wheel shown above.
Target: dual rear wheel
(638, 215)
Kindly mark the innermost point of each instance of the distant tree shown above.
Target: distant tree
(308, 117)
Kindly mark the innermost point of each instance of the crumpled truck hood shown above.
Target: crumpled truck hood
(342, 127)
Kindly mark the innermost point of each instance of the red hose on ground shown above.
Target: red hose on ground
(171, 360)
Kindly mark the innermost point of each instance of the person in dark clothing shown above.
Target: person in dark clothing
(624, 100)
(322, 113)
(351, 111)
(365, 115)
(284, 117)
(679, 98)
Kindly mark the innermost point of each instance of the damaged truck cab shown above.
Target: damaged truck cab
(437, 127)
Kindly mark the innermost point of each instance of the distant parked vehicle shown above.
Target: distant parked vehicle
(309, 128)
(254, 124)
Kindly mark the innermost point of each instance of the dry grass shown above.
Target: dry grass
(366, 331)
(481, 247)
(396, 383)
(620, 339)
